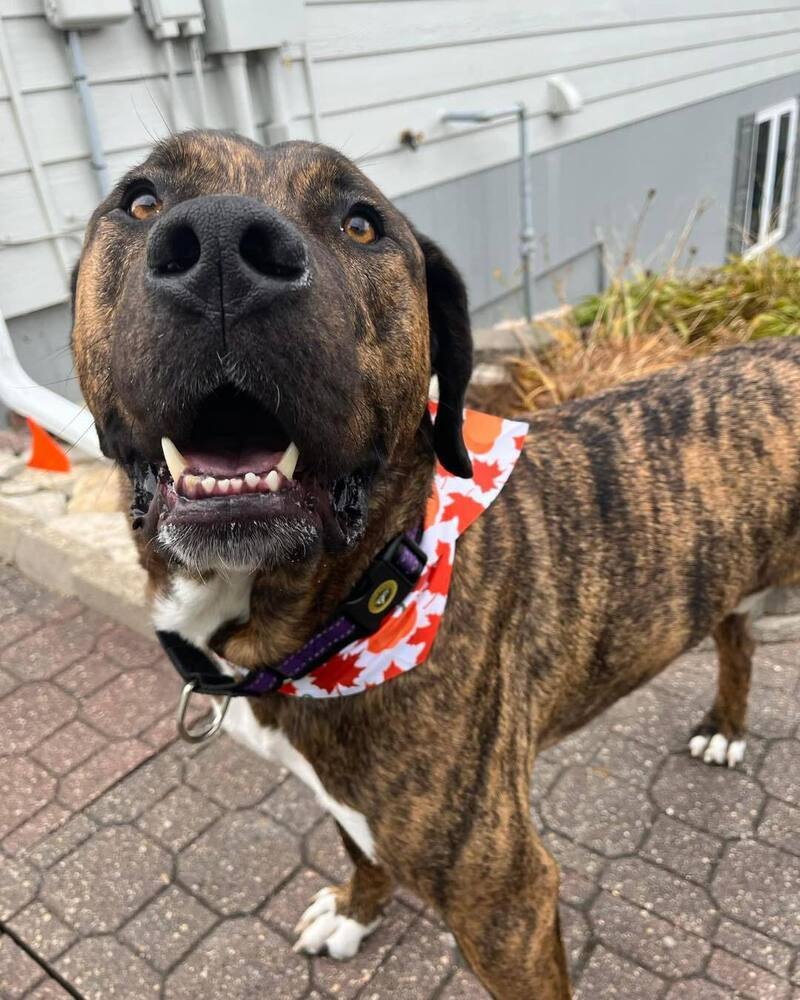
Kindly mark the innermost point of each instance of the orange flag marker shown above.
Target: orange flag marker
(47, 454)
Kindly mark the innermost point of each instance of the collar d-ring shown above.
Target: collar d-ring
(211, 729)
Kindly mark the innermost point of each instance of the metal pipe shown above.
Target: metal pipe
(196, 55)
(172, 82)
(81, 81)
(311, 90)
(526, 232)
(31, 154)
(235, 66)
(526, 206)
(56, 414)
(279, 99)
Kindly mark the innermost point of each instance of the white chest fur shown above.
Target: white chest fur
(272, 744)
(195, 610)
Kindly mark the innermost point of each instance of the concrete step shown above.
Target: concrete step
(777, 628)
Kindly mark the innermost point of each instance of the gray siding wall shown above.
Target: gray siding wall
(383, 67)
(592, 192)
(663, 83)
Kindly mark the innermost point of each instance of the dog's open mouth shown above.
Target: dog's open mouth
(237, 463)
(235, 491)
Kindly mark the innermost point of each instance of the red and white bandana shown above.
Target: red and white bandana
(404, 640)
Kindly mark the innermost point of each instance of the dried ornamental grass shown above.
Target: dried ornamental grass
(653, 322)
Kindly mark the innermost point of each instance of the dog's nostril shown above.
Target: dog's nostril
(181, 251)
(258, 249)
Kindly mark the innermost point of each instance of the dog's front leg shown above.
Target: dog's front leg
(503, 910)
(340, 917)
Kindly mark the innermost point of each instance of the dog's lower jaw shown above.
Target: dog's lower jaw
(230, 548)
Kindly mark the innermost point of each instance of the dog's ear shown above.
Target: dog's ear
(73, 285)
(451, 354)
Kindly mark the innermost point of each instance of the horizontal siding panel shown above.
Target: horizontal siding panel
(38, 52)
(376, 130)
(30, 276)
(120, 51)
(479, 149)
(12, 153)
(131, 115)
(21, 8)
(355, 29)
(399, 76)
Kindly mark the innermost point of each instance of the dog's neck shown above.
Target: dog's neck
(261, 618)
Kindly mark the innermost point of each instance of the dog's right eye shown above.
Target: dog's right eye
(142, 204)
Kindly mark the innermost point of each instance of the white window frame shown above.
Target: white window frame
(773, 115)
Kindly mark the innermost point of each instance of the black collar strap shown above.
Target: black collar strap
(390, 578)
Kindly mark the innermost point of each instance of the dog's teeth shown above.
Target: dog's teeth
(223, 485)
(273, 481)
(190, 484)
(208, 484)
(288, 463)
(251, 480)
(236, 485)
(176, 463)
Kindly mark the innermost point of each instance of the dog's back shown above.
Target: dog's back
(652, 510)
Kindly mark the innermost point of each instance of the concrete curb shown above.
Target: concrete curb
(54, 559)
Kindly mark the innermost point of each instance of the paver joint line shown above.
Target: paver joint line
(726, 903)
(45, 966)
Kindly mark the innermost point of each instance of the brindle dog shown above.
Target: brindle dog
(233, 299)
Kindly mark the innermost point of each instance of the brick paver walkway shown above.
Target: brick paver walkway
(132, 866)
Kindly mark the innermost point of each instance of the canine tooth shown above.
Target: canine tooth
(208, 484)
(223, 485)
(236, 485)
(251, 479)
(176, 463)
(273, 481)
(288, 463)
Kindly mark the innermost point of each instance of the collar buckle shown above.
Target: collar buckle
(391, 577)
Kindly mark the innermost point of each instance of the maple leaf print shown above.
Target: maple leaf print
(485, 475)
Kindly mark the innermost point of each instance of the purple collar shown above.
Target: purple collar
(389, 579)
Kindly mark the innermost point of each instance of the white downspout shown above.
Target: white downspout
(56, 414)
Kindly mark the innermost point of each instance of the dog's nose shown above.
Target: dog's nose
(225, 253)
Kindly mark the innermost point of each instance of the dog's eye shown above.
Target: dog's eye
(144, 205)
(360, 228)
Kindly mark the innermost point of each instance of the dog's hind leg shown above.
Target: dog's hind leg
(720, 737)
(340, 917)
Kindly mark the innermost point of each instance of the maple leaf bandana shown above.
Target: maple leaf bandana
(405, 638)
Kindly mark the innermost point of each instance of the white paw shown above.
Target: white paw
(321, 929)
(718, 749)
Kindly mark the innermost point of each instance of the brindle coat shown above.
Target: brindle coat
(632, 526)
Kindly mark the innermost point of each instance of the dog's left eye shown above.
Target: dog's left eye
(360, 228)
(144, 205)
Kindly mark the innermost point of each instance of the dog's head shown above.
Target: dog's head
(254, 331)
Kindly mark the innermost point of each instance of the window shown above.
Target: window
(769, 180)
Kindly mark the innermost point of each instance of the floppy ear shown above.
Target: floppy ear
(451, 354)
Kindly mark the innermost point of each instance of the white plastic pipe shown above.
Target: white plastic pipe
(234, 65)
(196, 54)
(56, 414)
